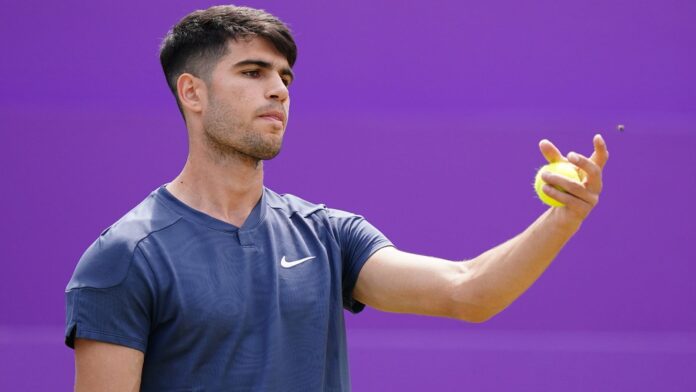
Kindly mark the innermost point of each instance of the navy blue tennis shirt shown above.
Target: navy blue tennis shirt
(220, 308)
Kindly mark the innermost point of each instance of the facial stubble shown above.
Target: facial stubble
(227, 136)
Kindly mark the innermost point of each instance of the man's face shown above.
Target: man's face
(248, 101)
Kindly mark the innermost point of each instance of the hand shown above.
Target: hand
(579, 197)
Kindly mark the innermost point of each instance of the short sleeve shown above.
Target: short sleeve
(358, 240)
(118, 314)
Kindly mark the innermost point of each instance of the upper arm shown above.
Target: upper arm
(106, 367)
(396, 281)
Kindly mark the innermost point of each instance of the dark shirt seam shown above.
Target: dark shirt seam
(130, 263)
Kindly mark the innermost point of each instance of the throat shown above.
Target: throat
(236, 220)
(229, 207)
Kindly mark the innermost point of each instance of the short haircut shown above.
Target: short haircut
(198, 41)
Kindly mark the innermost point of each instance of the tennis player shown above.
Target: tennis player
(216, 283)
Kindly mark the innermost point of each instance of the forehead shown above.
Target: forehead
(254, 48)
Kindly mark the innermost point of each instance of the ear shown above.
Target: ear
(191, 92)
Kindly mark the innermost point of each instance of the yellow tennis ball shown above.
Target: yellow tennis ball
(565, 169)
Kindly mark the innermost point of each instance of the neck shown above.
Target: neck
(226, 187)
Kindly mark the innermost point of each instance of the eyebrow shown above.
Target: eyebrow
(285, 71)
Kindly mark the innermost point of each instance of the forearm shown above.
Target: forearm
(497, 277)
(397, 281)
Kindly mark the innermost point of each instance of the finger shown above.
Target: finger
(600, 154)
(569, 200)
(593, 180)
(571, 187)
(550, 151)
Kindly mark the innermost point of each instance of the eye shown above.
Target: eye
(253, 74)
(287, 81)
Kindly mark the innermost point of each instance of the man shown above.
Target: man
(217, 283)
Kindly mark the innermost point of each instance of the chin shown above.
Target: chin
(265, 152)
(270, 155)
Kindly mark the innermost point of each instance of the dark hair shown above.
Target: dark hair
(199, 40)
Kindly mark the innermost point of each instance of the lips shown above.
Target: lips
(274, 115)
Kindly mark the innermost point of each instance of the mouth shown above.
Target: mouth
(274, 115)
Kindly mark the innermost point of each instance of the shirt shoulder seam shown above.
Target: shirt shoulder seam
(130, 262)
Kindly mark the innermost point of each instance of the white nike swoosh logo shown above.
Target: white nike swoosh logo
(287, 264)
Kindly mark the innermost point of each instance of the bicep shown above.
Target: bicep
(106, 367)
(401, 282)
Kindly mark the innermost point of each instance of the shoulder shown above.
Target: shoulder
(336, 222)
(290, 205)
(107, 260)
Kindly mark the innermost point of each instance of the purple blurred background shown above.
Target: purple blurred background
(423, 117)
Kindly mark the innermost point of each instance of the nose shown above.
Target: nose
(278, 90)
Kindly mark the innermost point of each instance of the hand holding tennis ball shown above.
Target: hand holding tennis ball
(573, 181)
(566, 169)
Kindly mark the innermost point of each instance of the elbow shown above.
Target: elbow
(471, 302)
(480, 318)
(473, 314)
(468, 306)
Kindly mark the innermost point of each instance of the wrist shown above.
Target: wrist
(563, 220)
